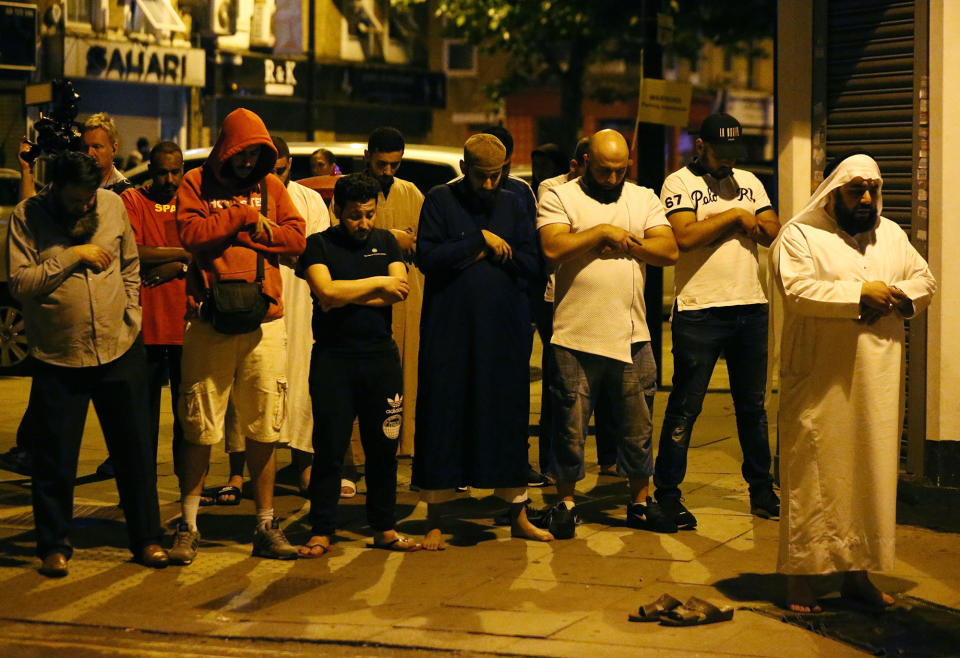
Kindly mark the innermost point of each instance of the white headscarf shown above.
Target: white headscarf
(856, 166)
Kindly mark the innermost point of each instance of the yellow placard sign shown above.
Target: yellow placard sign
(665, 101)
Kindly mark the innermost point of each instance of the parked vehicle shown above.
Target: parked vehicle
(424, 166)
(13, 337)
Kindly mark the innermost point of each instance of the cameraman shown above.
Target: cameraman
(101, 139)
(74, 267)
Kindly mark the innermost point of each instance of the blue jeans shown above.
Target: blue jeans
(699, 338)
(578, 381)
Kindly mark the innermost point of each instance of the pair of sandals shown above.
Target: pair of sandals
(671, 612)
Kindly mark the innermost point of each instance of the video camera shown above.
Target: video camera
(57, 131)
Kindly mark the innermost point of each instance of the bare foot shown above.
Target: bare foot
(433, 541)
(857, 587)
(522, 528)
(316, 546)
(305, 478)
(800, 596)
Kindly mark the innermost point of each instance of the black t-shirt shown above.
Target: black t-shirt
(354, 329)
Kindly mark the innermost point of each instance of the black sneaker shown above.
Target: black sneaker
(673, 508)
(649, 517)
(537, 479)
(766, 505)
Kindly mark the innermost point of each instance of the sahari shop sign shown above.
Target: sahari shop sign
(131, 62)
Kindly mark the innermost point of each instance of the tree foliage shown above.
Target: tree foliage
(554, 41)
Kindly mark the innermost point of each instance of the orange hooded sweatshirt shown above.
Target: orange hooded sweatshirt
(217, 215)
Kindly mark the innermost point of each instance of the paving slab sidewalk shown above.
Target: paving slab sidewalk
(486, 594)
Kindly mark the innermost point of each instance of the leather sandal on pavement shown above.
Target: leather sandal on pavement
(309, 551)
(222, 492)
(401, 545)
(653, 611)
(696, 612)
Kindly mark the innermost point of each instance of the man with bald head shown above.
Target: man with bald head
(476, 250)
(600, 230)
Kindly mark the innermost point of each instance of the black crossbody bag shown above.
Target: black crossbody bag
(239, 307)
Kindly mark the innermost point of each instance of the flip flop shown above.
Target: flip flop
(696, 612)
(654, 611)
(208, 498)
(397, 545)
(348, 488)
(312, 554)
(228, 491)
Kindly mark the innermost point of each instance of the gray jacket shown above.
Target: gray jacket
(75, 316)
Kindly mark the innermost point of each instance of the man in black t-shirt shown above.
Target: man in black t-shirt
(356, 272)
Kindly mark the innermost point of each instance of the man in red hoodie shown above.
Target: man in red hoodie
(223, 222)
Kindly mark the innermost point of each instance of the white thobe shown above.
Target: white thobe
(841, 397)
(297, 429)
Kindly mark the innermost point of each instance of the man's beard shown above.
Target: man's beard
(721, 172)
(80, 227)
(599, 192)
(857, 220)
(163, 193)
(386, 182)
(483, 201)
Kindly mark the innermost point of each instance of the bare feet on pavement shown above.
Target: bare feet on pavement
(800, 596)
(857, 587)
(433, 541)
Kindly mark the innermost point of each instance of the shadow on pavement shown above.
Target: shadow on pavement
(911, 627)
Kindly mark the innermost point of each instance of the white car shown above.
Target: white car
(424, 166)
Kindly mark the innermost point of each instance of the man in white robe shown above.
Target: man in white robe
(297, 430)
(848, 278)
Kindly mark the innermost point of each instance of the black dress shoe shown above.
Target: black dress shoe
(17, 460)
(153, 556)
(559, 521)
(54, 565)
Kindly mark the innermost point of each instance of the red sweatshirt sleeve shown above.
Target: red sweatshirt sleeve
(202, 228)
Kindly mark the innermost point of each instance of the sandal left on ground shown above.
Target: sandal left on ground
(655, 611)
(696, 612)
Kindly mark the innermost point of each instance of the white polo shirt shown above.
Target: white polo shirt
(726, 273)
(599, 307)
